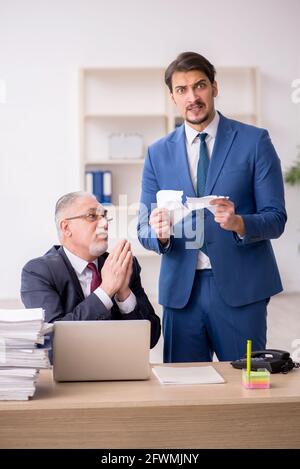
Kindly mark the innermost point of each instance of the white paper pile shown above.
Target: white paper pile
(20, 358)
(17, 384)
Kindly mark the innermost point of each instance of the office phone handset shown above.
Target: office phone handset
(275, 361)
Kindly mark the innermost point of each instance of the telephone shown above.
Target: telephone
(275, 361)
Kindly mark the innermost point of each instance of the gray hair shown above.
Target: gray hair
(65, 202)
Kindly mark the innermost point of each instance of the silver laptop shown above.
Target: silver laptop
(101, 350)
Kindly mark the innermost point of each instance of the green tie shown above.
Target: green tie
(203, 164)
(202, 169)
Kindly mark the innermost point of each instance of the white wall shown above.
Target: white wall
(42, 45)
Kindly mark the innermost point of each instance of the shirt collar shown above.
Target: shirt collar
(77, 263)
(211, 129)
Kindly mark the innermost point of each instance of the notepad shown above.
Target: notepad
(187, 375)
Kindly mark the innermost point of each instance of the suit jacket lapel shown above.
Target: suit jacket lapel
(224, 139)
(72, 273)
(177, 148)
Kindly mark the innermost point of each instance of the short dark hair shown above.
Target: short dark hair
(187, 61)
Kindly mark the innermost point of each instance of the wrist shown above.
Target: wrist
(108, 290)
(240, 226)
(122, 295)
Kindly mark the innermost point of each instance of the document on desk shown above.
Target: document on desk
(187, 375)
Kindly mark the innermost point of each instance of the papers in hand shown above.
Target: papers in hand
(172, 200)
(187, 375)
(169, 199)
(198, 203)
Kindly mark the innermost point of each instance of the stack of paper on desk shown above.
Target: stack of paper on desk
(20, 358)
(17, 383)
(187, 375)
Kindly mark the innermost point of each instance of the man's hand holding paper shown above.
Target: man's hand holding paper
(170, 209)
(160, 220)
(198, 203)
(227, 218)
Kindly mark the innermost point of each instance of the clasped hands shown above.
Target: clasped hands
(160, 220)
(116, 271)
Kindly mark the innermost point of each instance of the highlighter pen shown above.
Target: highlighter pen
(249, 347)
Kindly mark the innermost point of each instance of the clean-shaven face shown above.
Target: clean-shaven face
(194, 94)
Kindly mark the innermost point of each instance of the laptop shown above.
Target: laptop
(101, 350)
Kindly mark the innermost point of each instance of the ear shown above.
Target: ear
(172, 97)
(65, 228)
(215, 89)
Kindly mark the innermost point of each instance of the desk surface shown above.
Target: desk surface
(147, 414)
(52, 395)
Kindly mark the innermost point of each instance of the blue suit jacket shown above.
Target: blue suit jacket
(51, 283)
(244, 166)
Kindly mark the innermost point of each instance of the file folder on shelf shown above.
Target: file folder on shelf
(99, 183)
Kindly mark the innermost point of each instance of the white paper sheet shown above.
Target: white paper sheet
(187, 375)
(20, 315)
(172, 200)
(198, 203)
(169, 199)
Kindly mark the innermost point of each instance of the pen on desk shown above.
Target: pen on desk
(249, 347)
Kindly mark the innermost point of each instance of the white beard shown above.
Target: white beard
(96, 250)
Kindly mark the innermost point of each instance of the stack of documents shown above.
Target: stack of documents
(17, 384)
(187, 375)
(20, 358)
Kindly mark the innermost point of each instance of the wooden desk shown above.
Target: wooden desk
(145, 414)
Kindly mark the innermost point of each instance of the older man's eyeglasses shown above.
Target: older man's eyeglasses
(92, 216)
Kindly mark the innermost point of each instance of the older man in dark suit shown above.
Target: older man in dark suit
(79, 280)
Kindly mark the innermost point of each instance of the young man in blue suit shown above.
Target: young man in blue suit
(79, 280)
(215, 296)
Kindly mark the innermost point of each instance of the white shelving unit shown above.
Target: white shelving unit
(239, 93)
(136, 100)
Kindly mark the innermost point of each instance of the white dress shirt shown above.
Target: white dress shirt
(192, 148)
(84, 275)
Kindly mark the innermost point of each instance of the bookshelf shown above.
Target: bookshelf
(136, 101)
(129, 101)
(239, 94)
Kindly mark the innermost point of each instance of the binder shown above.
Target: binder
(98, 185)
(89, 182)
(107, 187)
